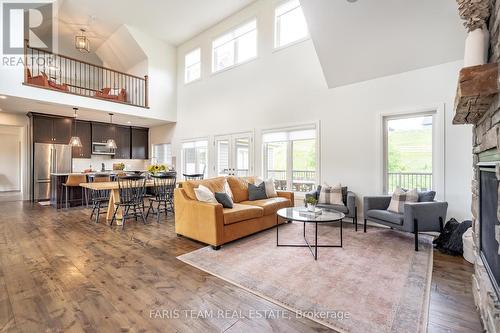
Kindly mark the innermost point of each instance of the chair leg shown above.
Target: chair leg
(66, 195)
(114, 216)
(150, 208)
(415, 228)
(355, 220)
(441, 224)
(98, 212)
(365, 226)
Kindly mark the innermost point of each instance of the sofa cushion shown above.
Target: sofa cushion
(385, 215)
(213, 184)
(257, 192)
(224, 199)
(338, 208)
(426, 196)
(239, 187)
(271, 205)
(241, 213)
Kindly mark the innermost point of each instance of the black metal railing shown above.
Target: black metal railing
(57, 72)
(422, 181)
(302, 180)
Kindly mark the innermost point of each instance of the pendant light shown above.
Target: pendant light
(110, 143)
(82, 42)
(75, 140)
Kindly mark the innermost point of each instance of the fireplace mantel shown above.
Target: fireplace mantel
(476, 91)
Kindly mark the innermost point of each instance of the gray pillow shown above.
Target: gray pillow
(426, 196)
(224, 199)
(257, 192)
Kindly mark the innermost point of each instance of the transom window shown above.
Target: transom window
(290, 158)
(195, 157)
(235, 47)
(289, 24)
(192, 66)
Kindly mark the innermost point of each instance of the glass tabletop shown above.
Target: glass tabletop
(303, 215)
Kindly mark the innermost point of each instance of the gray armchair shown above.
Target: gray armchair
(349, 207)
(418, 216)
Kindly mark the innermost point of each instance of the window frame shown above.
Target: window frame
(183, 156)
(277, 28)
(185, 67)
(438, 145)
(235, 50)
(168, 144)
(289, 170)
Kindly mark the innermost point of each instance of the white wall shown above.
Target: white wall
(19, 122)
(10, 150)
(287, 87)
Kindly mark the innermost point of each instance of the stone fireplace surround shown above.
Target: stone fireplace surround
(485, 118)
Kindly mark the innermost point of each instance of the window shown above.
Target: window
(408, 148)
(195, 157)
(235, 47)
(290, 158)
(162, 154)
(192, 66)
(289, 24)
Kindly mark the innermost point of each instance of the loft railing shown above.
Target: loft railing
(422, 181)
(65, 74)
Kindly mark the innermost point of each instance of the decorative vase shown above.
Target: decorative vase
(311, 207)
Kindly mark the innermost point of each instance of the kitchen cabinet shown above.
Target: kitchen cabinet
(101, 132)
(51, 129)
(140, 143)
(122, 138)
(84, 132)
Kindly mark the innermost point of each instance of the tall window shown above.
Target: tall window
(162, 153)
(235, 47)
(408, 152)
(195, 157)
(289, 24)
(192, 66)
(290, 158)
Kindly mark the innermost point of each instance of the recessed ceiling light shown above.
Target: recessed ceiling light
(1, 110)
(128, 122)
(3, 97)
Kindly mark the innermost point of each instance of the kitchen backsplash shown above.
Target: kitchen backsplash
(80, 164)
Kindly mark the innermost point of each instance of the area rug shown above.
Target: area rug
(375, 283)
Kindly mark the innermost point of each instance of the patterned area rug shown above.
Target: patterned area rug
(375, 283)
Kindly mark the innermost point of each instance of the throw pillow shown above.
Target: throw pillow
(204, 194)
(257, 192)
(426, 196)
(400, 197)
(224, 199)
(269, 184)
(330, 195)
(227, 189)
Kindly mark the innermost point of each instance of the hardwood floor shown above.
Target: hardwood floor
(61, 272)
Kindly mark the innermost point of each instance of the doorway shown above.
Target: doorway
(234, 155)
(11, 170)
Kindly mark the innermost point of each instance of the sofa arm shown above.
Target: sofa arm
(288, 195)
(427, 215)
(201, 221)
(376, 202)
(351, 203)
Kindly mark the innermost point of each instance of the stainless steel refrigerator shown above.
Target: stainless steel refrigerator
(49, 158)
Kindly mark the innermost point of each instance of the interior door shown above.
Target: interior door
(234, 155)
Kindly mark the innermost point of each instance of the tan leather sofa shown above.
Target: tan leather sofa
(212, 224)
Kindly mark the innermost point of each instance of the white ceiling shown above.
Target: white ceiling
(173, 21)
(24, 105)
(367, 39)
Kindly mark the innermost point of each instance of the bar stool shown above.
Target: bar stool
(73, 180)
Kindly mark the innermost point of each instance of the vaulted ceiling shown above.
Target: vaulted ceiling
(365, 39)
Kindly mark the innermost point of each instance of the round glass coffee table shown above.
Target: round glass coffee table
(300, 214)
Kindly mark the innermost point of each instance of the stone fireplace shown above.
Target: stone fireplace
(478, 103)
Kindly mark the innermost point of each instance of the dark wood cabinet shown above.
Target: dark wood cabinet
(140, 143)
(123, 139)
(84, 132)
(51, 129)
(101, 132)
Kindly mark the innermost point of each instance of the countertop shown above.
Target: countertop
(109, 172)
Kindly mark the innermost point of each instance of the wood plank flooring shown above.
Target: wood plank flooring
(59, 272)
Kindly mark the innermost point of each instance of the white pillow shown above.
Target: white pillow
(400, 197)
(269, 185)
(227, 189)
(331, 195)
(204, 194)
